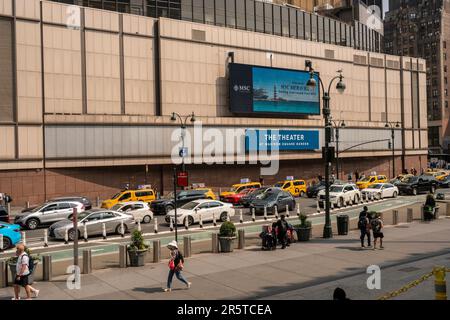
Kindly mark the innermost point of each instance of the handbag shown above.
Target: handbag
(171, 264)
(180, 266)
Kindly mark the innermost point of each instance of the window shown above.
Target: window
(203, 206)
(320, 23)
(108, 215)
(277, 20)
(231, 13)
(293, 23)
(50, 208)
(209, 11)
(215, 204)
(220, 12)
(240, 14)
(313, 27)
(198, 11)
(94, 217)
(268, 22)
(326, 30)
(125, 196)
(144, 193)
(186, 10)
(64, 205)
(285, 21)
(333, 31)
(250, 15)
(259, 14)
(307, 23)
(6, 74)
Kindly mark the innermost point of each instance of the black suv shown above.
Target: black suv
(4, 216)
(414, 185)
(314, 189)
(164, 205)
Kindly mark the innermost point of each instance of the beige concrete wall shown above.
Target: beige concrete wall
(6, 7)
(29, 9)
(6, 142)
(393, 96)
(30, 142)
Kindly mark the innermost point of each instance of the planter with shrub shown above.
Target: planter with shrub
(137, 250)
(227, 234)
(303, 229)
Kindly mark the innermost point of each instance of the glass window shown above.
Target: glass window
(292, 23)
(349, 35)
(313, 27)
(186, 10)
(259, 10)
(320, 37)
(175, 10)
(209, 11)
(307, 23)
(250, 15)
(338, 33)
(220, 12)
(125, 196)
(240, 14)
(333, 31)
(198, 11)
(231, 13)
(6, 74)
(64, 205)
(326, 28)
(276, 20)
(268, 22)
(285, 21)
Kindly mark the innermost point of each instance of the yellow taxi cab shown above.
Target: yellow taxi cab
(146, 195)
(209, 194)
(295, 187)
(367, 181)
(236, 188)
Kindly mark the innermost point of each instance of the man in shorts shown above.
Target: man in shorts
(22, 273)
(377, 226)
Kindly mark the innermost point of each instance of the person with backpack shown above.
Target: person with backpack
(377, 226)
(282, 228)
(175, 266)
(364, 226)
(24, 267)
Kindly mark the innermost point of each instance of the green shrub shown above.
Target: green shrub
(137, 241)
(227, 229)
(304, 222)
(36, 257)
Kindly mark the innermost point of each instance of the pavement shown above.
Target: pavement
(305, 270)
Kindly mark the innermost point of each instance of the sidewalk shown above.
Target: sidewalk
(303, 271)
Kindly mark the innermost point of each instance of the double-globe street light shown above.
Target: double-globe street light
(182, 153)
(392, 125)
(340, 87)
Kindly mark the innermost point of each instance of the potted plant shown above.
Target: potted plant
(227, 234)
(303, 229)
(137, 250)
(34, 259)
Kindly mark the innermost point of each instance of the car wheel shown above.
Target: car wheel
(395, 194)
(72, 234)
(433, 189)
(125, 229)
(6, 243)
(147, 219)
(190, 221)
(414, 191)
(32, 223)
(169, 208)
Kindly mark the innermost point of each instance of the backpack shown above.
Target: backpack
(30, 264)
(376, 225)
(362, 222)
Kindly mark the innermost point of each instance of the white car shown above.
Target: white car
(381, 190)
(206, 208)
(138, 209)
(341, 194)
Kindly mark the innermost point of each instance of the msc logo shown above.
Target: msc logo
(241, 88)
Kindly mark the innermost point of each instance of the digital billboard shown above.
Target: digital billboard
(264, 90)
(283, 140)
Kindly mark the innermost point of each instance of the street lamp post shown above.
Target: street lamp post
(336, 126)
(340, 87)
(183, 122)
(392, 125)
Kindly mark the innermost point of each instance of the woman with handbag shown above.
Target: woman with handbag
(175, 266)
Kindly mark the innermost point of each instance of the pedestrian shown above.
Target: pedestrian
(282, 228)
(176, 264)
(22, 274)
(349, 177)
(339, 294)
(364, 226)
(319, 177)
(356, 175)
(261, 181)
(377, 227)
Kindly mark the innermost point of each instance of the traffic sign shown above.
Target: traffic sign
(183, 152)
(182, 179)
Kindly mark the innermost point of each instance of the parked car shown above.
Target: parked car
(399, 178)
(191, 211)
(11, 234)
(381, 190)
(146, 195)
(84, 200)
(367, 181)
(295, 187)
(445, 182)
(314, 189)
(138, 209)
(48, 213)
(236, 198)
(341, 194)
(417, 184)
(4, 216)
(275, 199)
(249, 197)
(166, 204)
(236, 188)
(94, 220)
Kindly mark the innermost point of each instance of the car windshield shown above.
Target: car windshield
(336, 188)
(190, 205)
(268, 196)
(279, 184)
(116, 195)
(411, 179)
(366, 179)
(376, 186)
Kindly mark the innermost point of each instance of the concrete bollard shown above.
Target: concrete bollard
(47, 268)
(200, 221)
(122, 229)
(265, 213)
(228, 217)
(214, 220)
(276, 212)
(186, 223)
(104, 231)
(241, 238)
(371, 197)
(156, 251)
(298, 210)
(155, 225)
(253, 215)
(171, 224)
(187, 246)
(394, 217)
(331, 206)
(87, 261)
(409, 215)
(28, 204)
(1, 242)
(66, 236)
(45, 238)
(139, 227)
(241, 218)
(3, 274)
(122, 256)
(214, 242)
(324, 204)
(318, 206)
(287, 211)
(24, 238)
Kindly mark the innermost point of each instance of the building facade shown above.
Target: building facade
(419, 28)
(88, 96)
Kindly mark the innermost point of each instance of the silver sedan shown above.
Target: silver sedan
(93, 220)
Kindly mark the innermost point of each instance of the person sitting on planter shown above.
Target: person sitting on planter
(429, 207)
(175, 266)
(282, 227)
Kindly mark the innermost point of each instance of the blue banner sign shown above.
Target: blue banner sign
(256, 140)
